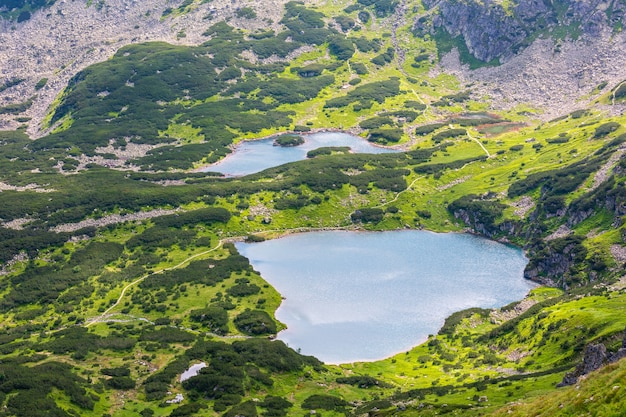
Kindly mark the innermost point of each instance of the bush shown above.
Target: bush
(481, 212)
(415, 105)
(122, 371)
(384, 58)
(243, 289)
(383, 135)
(450, 133)
(359, 68)
(424, 214)
(246, 13)
(214, 317)
(311, 70)
(362, 381)
(273, 355)
(120, 383)
(346, 23)
(255, 322)
(605, 129)
(429, 128)
(341, 48)
(375, 122)
(367, 215)
(453, 98)
(327, 150)
(376, 91)
(289, 140)
(275, 406)
(247, 409)
(324, 402)
(187, 410)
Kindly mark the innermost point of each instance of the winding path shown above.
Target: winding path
(614, 91)
(399, 193)
(105, 315)
(480, 144)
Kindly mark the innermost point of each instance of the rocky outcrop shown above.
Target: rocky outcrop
(494, 30)
(595, 357)
(550, 261)
(61, 40)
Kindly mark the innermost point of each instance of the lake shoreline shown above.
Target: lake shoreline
(329, 306)
(352, 132)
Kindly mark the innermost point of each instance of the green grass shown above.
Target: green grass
(526, 355)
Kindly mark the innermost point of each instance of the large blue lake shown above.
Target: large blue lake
(255, 156)
(360, 296)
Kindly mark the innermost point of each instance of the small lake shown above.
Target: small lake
(362, 296)
(256, 155)
(192, 371)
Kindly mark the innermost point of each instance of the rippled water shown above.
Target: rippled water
(353, 296)
(255, 156)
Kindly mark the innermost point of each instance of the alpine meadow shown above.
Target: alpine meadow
(122, 290)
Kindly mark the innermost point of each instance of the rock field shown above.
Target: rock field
(58, 42)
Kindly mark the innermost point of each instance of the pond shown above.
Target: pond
(362, 296)
(256, 155)
(193, 370)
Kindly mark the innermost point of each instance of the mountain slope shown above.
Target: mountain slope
(118, 269)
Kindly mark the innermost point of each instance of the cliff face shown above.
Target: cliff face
(493, 31)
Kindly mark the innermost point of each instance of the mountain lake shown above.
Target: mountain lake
(363, 296)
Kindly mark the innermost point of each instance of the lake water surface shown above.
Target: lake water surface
(353, 296)
(256, 155)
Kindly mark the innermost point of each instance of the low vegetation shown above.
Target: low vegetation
(120, 308)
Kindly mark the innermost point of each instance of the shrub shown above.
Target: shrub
(246, 13)
(327, 150)
(384, 58)
(429, 128)
(121, 371)
(311, 70)
(606, 128)
(424, 214)
(341, 47)
(375, 122)
(385, 135)
(120, 382)
(214, 317)
(289, 140)
(367, 215)
(246, 409)
(255, 322)
(324, 402)
(415, 105)
(346, 23)
(450, 133)
(275, 406)
(187, 410)
(273, 355)
(243, 289)
(361, 381)
(359, 68)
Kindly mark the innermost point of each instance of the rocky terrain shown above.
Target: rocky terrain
(550, 74)
(550, 54)
(554, 79)
(59, 41)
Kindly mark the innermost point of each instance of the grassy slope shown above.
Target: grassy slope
(545, 342)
